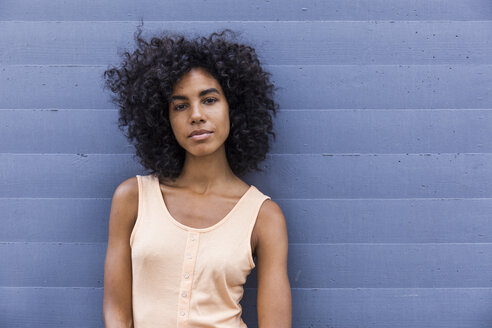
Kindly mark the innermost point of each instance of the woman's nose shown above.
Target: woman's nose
(197, 112)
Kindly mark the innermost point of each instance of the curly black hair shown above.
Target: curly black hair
(144, 81)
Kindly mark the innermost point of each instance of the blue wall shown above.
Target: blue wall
(383, 164)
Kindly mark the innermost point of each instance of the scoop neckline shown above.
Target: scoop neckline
(186, 227)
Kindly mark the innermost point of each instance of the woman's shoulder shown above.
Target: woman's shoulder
(127, 189)
(125, 200)
(270, 218)
(270, 231)
(270, 209)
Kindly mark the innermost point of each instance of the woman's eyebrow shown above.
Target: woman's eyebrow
(203, 92)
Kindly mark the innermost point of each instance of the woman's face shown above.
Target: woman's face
(198, 102)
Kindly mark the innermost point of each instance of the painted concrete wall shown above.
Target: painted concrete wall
(382, 165)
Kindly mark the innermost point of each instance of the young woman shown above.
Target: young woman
(182, 239)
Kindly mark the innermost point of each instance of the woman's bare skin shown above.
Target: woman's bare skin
(203, 194)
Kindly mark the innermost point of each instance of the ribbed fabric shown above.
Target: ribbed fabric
(189, 277)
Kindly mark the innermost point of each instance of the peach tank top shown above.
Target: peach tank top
(190, 277)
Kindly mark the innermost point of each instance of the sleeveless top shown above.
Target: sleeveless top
(189, 277)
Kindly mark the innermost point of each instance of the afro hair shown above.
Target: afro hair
(144, 81)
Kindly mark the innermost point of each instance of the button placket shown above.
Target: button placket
(187, 277)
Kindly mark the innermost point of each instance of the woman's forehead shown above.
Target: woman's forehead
(195, 81)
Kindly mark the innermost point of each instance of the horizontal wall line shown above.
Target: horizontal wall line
(293, 288)
(296, 244)
(301, 199)
(48, 109)
(254, 21)
(268, 154)
(268, 65)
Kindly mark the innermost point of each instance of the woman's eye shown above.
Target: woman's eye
(210, 102)
(207, 101)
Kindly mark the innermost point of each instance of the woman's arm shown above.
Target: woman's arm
(117, 303)
(274, 295)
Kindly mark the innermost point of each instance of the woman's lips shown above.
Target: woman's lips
(201, 136)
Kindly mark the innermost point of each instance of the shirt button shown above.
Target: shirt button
(182, 313)
(192, 238)
(184, 294)
(189, 256)
(186, 276)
